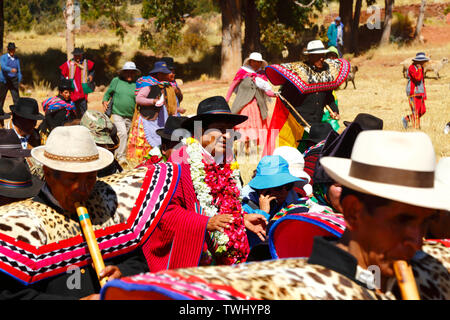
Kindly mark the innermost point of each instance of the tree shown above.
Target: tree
(252, 38)
(2, 25)
(70, 28)
(389, 8)
(346, 14)
(231, 55)
(420, 20)
(355, 27)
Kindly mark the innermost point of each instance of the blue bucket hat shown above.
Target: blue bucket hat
(160, 66)
(272, 171)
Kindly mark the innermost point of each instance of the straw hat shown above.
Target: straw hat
(257, 57)
(72, 149)
(130, 66)
(399, 166)
(315, 47)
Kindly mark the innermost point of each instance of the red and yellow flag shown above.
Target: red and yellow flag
(284, 129)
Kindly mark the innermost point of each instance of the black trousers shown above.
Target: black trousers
(81, 107)
(12, 84)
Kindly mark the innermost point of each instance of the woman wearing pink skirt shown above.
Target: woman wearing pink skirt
(252, 90)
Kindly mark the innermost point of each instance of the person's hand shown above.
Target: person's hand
(94, 296)
(105, 106)
(335, 116)
(257, 224)
(160, 101)
(14, 70)
(219, 222)
(110, 272)
(90, 78)
(264, 202)
(181, 110)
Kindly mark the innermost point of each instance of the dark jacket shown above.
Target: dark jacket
(310, 105)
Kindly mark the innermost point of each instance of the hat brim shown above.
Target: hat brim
(420, 59)
(322, 51)
(264, 62)
(5, 116)
(135, 70)
(162, 70)
(15, 153)
(26, 115)
(434, 198)
(104, 160)
(233, 119)
(164, 135)
(23, 193)
(266, 182)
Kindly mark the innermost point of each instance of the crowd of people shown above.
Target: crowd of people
(185, 204)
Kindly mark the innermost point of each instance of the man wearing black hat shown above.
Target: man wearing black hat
(10, 76)
(81, 72)
(16, 181)
(171, 135)
(25, 115)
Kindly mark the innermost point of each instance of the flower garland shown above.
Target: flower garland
(218, 192)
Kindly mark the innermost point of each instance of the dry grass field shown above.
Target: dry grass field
(380, 86)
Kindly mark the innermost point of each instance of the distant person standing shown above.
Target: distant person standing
(10, 76)
(122, 92)
(81, 71)
(415, 91)
(335, 35)
(171, 66)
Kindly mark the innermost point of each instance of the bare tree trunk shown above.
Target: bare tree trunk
(389, 7)
(70, 28)
(231, 57)
(252, 38)
(2, 25)
(346, 14)
(420, 20)
(355, 27)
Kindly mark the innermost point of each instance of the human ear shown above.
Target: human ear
(352, 210)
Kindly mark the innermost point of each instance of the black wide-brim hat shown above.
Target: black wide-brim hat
(10, 145)
(11, 46)
(318, 132)
(27, 108)
(173, 123)
(16, 181)
(214, 109)
(367, 122)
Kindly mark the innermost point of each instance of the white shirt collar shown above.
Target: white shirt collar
(12, 58)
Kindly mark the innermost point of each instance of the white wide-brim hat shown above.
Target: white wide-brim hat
(295, 160)
(399, 166)
(129, 66)
(315, 47)
(72, 149)
(257, 57)
(443, 176)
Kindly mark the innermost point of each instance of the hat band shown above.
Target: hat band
(11, 146)
(71, 159)
(401, 177)
(15, 184)
(315, 49)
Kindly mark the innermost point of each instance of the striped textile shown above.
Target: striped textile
(179, 239)
(146, 81)
(29, 264)
(56, 103)
(170, 285)
(311, 156)
(304, 80)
